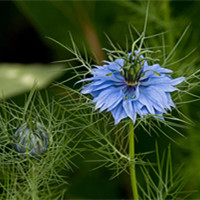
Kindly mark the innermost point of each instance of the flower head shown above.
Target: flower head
(128, 87)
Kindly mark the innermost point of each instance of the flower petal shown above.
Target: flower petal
(118, 113)
(129, 109)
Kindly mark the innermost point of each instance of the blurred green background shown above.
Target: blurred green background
(26, 54)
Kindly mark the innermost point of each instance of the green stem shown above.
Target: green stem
(132, 165)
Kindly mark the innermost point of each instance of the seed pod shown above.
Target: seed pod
(32, 138)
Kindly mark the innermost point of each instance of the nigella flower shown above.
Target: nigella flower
(128, 87)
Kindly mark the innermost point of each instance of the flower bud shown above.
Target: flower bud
(32, 138)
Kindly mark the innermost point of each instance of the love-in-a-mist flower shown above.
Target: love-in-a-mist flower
(129, 86)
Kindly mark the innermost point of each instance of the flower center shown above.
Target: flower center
(133, 70)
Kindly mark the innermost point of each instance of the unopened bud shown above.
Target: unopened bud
(31, 138)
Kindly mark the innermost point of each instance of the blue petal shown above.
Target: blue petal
(103, 86)
(118, 113)
(112, 100)
(158, 95)
(144, 111)
(137, 94)
(137, 106)
(157, 68)
(128, 107)
(145, 101)
(176, 81)
(120, 62)
(103, 97)
(87, 89)
(166, 88)
(156, 80)
(95, 94)
(100, 99)
(159, 115)
(120, 98)
(170, 102)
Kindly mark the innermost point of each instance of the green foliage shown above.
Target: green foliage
(43, 176)
(161, 180)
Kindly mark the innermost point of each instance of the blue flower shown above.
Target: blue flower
(128, 87)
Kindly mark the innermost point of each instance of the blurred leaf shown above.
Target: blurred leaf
(19, 78)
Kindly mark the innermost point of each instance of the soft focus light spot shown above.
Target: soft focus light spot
(11, 73)
(27, 79)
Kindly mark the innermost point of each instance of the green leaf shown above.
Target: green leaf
(19, 78)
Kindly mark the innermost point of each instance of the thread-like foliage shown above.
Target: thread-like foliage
(42, 176)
